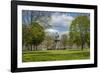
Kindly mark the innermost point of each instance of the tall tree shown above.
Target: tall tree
(43, 17)
(26, 36)
(49, 41)
(64, 41)
(37, 33)
(80, 31)
(32, 34)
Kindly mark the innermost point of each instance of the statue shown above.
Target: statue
(56, 41)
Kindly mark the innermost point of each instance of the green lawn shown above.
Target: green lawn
(52, 55)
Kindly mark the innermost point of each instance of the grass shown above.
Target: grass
(53, 55)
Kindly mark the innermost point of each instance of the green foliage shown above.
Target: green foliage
(64, 40)
(32, 34)
(80, 31)
(26, 35)
(49, 41)
(37, 32)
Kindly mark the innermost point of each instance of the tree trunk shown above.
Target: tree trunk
(82, 46)
(36, 47)
(31, 47)
(28, 46)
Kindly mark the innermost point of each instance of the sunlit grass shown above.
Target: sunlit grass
(53, 55)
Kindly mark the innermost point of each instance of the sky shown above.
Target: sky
(59, 21)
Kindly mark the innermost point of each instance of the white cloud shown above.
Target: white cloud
(66, 33)
(60, 24)
(51, 30)
(61, 20)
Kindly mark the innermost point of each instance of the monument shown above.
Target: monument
(57, 41)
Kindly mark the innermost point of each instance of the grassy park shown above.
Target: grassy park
(55, 36)
(53, 55)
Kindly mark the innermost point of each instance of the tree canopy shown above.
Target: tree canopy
(33, 34)
(80, 31)
(37, 32)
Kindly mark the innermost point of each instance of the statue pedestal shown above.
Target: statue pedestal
(57, 44)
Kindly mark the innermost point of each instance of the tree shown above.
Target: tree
(32, 35)
(37, 34)
(26, 36)
(23, 36)
(44, 17)
(49, 41)
(80, 31)
(64, 41)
